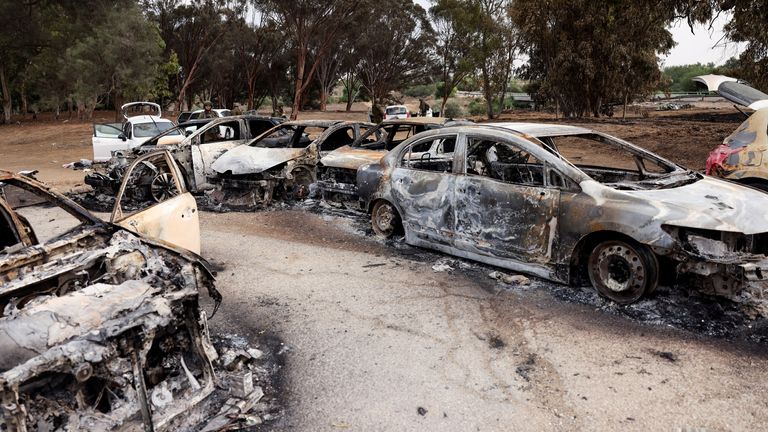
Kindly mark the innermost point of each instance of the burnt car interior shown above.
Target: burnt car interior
(258, 127)
(431, 155)
(503, 161)
(389, 136)
(36, 213)
(340, 138)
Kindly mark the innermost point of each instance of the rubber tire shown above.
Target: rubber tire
(385, 220)
(635, 259)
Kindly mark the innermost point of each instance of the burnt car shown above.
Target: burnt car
(195, 149)
(337, 171)
(570, 204)
(743, 155)
(282, 162)
(100, 325)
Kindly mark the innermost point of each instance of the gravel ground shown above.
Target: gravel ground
(376, 339)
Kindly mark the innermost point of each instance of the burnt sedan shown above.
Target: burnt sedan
(569, 204)
(281, 163)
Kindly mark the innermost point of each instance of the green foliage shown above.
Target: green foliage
(586, 53)
(441, 90)
(420, 90)
(453, 109)
(680, 78)
(477, 107)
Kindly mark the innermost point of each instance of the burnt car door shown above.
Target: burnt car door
(504, 207)
(423, 184)
(153, 201)
(212, 141)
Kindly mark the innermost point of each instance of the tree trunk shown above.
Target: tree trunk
(301, 60)
(23, 95)
(6, 96)
(349, 102)
(624, 110)
(323, 99)
(442, 105)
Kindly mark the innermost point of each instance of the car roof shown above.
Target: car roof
(540, 130)
(419, 120)
(317, 123)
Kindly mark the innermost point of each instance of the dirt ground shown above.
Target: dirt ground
(377, 337)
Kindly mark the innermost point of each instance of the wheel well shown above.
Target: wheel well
(579, 257)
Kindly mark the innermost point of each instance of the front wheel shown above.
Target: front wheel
(385, 220)
(623, 271)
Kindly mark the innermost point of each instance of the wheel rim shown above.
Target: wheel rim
(618, 271)
(163, 187)
(384, 219)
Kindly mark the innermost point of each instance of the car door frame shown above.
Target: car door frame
(174, 221)
(427, 221)
(202, 160)
(489, 249)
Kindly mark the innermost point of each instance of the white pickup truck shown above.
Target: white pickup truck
(136, 128)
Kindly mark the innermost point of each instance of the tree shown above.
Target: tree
(494, 51)
(398, 52)
(454, 29)
(747, 24)
(196, 28)
(313, 26)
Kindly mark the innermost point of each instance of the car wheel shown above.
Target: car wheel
(385, 220)
(623, 271)
(163, 187)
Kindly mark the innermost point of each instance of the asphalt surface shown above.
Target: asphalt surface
(374, 339)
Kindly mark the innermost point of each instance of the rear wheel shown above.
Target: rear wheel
(623, 271)
(385, 220)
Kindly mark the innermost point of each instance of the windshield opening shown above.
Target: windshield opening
(617, 164)
(146, 130)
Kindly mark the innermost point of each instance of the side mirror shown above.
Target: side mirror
(188, 132)
(122, 137)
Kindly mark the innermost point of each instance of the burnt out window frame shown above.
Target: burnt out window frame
(431, 139)
(548, 159)
(639, 155)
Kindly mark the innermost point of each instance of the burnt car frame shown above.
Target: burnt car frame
(337, 171)
(100, 323)
(283, 161)
(194, 151)
(508, 196)
(743, 155)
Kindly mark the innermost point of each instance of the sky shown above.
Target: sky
(703, 46)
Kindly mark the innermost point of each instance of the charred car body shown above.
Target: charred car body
(194, 150)
(743, 156)
(100, 327)
(527, 197)
(337, 171)
(281, 162)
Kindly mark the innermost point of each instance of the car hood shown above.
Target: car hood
(245, 159)
(710, 204)
(351, 158)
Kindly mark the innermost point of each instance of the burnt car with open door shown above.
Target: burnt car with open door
(198, 144)
(282, 163)
(568, 204)
(743, 155)
(100, 323)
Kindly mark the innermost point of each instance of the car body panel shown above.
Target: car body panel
(742, 156)
(174, 221)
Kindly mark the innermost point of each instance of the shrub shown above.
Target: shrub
(420, 91)
(453, 110)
